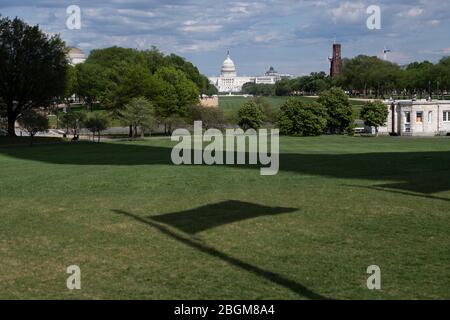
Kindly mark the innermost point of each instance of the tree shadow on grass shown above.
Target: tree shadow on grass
(193, 243)
(422, 172)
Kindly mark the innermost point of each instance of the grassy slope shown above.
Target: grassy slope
(338, 205)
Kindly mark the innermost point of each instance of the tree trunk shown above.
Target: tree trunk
(98, 137)
(131, 131)
(11, 125)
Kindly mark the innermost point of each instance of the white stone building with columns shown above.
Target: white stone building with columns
(417, 118)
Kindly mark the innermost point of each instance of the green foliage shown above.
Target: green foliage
(33, 122)
(70, 83)
(259, 89)
(270, 113)
(339, 110)
(96, 123)
(72, 120)
(92, 82)
(139, 113)
(170, 82)
(374, 114)
(210, 117)
(370, 75)
(33, 68)
(179, 90)
(313, 84)
(128, 81)
(297, 118)
(283, 87)
(250, 116)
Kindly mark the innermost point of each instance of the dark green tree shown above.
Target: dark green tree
(250, 116)
(339, 110)
(92, 83)
(374, 114)
(33, 68)
(33, 122)
(96, 123)
(210, 117)
(140, 114)
(300, 119)
(283, 87)
(72, 120)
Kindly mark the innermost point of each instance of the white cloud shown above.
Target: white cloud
(348, 12)
(412, 13)
(201, 28)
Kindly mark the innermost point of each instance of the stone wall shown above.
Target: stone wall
(210, 102)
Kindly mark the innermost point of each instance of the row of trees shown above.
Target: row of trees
(331, 113)
(370, 76)
(367, 76)
(114, 76)
(34, 72)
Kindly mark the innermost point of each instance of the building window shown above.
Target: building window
(407, 117)
(419, 117)
(430, 116)
(446, 116)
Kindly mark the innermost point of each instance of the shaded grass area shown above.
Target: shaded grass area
(25, 141)
(140, 227)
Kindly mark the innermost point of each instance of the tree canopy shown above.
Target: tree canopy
(297, 118)
(339, 110)
(33, 68)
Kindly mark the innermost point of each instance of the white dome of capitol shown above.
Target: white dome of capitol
(228, 65)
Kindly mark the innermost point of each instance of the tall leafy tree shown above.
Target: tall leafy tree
(300, 119)
(33, 68)
(338, 108)
(139, 113)
(374, 114)
(96, 123)
(93, 82)
(179, 87)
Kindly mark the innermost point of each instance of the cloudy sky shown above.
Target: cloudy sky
(295, 36)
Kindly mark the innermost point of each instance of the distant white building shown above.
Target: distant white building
(76, 56)
(417, 118)
(229, 82)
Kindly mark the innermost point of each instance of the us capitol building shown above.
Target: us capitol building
(229, 82)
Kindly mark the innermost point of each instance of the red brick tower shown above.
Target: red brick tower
(336, 61)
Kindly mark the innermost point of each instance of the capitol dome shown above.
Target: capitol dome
(228, 68)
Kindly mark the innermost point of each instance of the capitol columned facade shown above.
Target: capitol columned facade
(229, 82)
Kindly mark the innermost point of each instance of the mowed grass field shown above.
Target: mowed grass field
(140, 227)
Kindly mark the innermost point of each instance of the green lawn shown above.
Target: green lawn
(140, 227)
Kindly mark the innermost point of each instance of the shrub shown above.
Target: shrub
(33, 122)
(96, 123)
(270, 113)
(250, 116)
(299, 119)
(210, 117)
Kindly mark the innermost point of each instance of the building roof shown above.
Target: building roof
(417, 102)
(228, 65)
